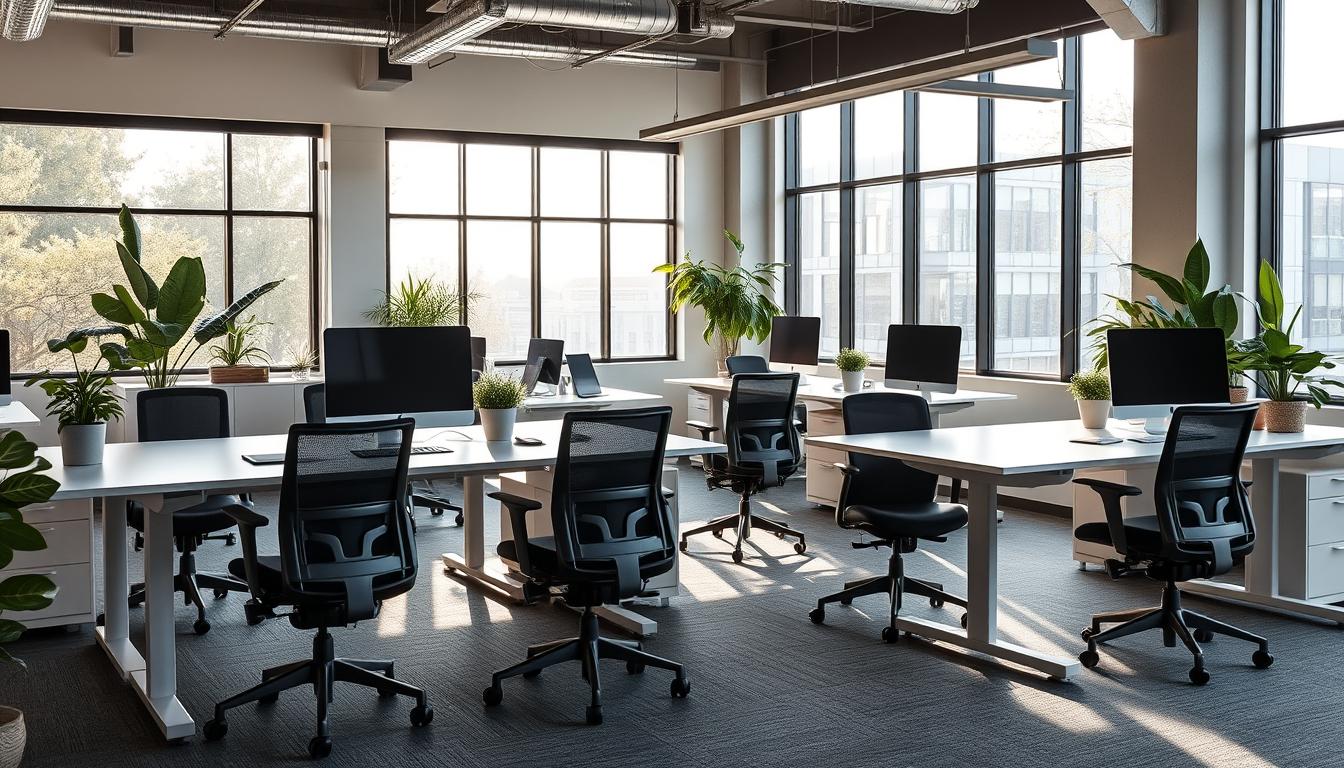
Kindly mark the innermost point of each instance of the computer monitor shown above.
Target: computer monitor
(794, 341)
(1155, 369)
(478, 353)
(925, 358)
(544, 358)
(424, 373)
(5, 396)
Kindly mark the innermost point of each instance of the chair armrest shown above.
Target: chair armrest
(706, 429)
(849, 470)
(1105, 487)
(518, 507)
(248, 522)
(513, 501)
(246, 517)
(1111, 494)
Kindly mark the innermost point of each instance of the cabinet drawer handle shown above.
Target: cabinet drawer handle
(46, 530)
(1337, 548)
(1337, 479)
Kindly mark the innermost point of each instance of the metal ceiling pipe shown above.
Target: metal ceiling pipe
(927, 6)
(23, 20)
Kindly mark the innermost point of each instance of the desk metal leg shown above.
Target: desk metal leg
(472, 563)
(115, 635)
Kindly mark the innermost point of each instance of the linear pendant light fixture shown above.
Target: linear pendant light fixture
(905, 77)
(999, 91)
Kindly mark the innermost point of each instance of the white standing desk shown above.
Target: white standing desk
(1033, 455)
(547, 406)
(147, 471)
(15, 414)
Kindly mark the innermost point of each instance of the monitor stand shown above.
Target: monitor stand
(1155, 425)
(541, 389)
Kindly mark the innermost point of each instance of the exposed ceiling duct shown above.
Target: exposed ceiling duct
(927, 6)
(23, 20)
(1133, 19)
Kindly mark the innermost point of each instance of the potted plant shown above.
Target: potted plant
(851, 363)
(1284, 368)
(497, 397)
(236, 357)
(738, 302)
(420, 303)
(84, 403)
(1092, 390)
(302, 361)
(25, 592)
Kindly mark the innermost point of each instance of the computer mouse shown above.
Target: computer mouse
(520, 440)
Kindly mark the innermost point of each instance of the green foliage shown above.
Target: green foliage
(1090, 385)
(29, 592)
(420, 303)
(87, 397)
(738, 302)
(238, 347)
(851, 360)
(1283, 367)
(495, 390)
(302, 357)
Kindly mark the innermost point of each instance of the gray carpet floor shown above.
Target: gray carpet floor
(769, 687)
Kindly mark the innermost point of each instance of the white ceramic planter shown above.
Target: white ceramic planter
(13, 736)
(1094, 413)
(82, 444)
(498, 423)
(852, 381)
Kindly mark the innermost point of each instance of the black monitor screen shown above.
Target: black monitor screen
(1167, 366)
(378, 371)
(4, 361)
(795, 340)
(544, 358)
(924, 353)
(478, 353)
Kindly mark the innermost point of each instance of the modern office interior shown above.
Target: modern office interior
(671, 382)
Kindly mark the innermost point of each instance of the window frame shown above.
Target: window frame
(312, 132)
(535, 144)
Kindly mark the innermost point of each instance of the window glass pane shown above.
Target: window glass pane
(267, 249)
(948, 127)
(1027, 222)
(571, 285)
(1025, 129)
(638, 295)
(422, 177)
(499, 264)
(499, 180)
(819, 146)
(425, 249)
(1106, 218)
(947, 257)
(639, 185)
(877, 266)
(1108, 91)
(571, 182)
(878, 130)
(819, 264)
(1310, 45)
(272, 173)
(1311, 248)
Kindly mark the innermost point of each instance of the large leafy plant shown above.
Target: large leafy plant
(738, 301)
(154, 319)
(88, 397)
(421, 303)
(25, 592)
(1284, 368)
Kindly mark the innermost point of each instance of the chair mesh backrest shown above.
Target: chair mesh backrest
(607, 508)
(315, 403)
(746, 364)
(1202, 505)
(759, 432)
(182, 413)
(343, 524)
(883, 480)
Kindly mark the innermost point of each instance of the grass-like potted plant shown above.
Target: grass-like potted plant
(421, 303)
(852, 363)
(302, 361)
(738, 302)
(84, 403)
(238, 358)
(1092, 390)
(24, 592)
(497, 397)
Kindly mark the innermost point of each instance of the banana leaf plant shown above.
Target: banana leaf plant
(153, 319)
(1283, 367)
(25, 592)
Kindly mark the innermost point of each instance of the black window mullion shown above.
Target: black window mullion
(463, 289)
(1070, 285)
(228, 219)
(792, 257)
(536, 242)
(910, 212)
(848, 288)
(604, 289)
(984, 238)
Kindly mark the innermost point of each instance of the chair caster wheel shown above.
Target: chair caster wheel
(458, 519)
(891, 635)
(422, 715)
(1199, 676)
(532, 675)
(201, 626)
(964, 620)
(101, 620)
(634, 667)
(436, 512)
(681, 688)
(230, 540)
(253, 613)
(1203, 635)
(737, 556)
(935, 602)
(716, 534)
(271, 699)
(215, 729)
(682, 545)
(817, 615)
(220, 594)
(799, 547)
(493, 696)
(1089, 658)
(319, 747)
(1262, 659)
(846, 602)
(1087, 634)
(593, 715)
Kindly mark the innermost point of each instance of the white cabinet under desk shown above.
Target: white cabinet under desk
(1311, 530)
(254, 409)
(67, 527)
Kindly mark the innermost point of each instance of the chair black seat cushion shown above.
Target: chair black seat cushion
(268, 572)
(1143, 540)
(1141, 534)
(718, 466)
(920, 520)
(196, 520)
(545, 563)
(309, 612)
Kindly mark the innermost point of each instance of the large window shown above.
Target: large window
(1004, 217)
(551, 239)
(238, 196)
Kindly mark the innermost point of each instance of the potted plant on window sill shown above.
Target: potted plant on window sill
(852, 363)
(235, 359)
(1092, 390)
(302, 361)
(498, 397)
(84, 403)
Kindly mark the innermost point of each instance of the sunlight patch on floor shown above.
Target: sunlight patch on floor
(1204, 746)
(392, 617)
(1059, 712)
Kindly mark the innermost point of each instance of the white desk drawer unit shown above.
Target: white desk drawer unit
(67, 527)
(823, 479)
(1311, 530)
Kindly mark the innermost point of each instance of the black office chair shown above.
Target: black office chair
(746, 364)
(188, 413)
(1202, 527)
(762, 452)
(613, 532)
(345, 547)
(315, 410)
(894, 503)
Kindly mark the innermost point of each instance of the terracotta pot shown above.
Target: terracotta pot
(1241, 395)
(239, 374)
(1285, 415)
(1094, 413)
(13, 736)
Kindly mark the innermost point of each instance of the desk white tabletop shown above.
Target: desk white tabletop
(186, 465)
(1016, 449)
(16, 414)
(822, 390)
(610, 398)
